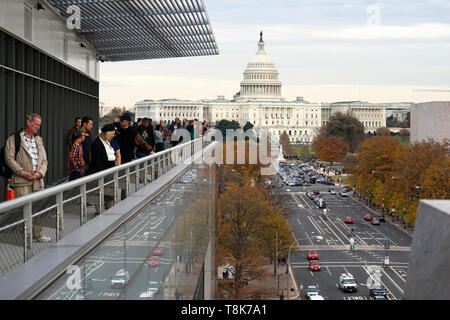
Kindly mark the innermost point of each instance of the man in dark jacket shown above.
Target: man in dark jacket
(86, 126)
(125, 137)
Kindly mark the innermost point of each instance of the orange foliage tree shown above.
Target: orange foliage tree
(330, 149)
(399, 177)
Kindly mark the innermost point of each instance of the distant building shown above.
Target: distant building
(430, 120)
(260, 102)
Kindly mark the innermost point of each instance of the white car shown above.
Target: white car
(120, 280)
(311, 291)
(151, 291)
(316, 297)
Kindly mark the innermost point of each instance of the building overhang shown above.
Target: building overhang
(123, 30)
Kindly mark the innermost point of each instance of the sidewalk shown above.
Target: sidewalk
(272, 287)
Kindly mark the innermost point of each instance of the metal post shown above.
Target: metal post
(59, 215)
(116, 187)
(101, 192)
(27, 216)
(137, 177)
(127, 182)
(25, 244)
(83, 204)
(145, 172)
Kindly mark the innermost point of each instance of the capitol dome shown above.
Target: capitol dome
(260, 77)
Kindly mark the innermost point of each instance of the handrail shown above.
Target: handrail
(19, 202)
(153, 166)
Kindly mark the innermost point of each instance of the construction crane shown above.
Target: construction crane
(431, 90)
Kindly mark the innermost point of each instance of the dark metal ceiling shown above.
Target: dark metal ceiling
(123, 30)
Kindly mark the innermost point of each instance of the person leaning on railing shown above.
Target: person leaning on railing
(103, 156)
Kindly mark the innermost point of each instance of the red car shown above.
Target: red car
(312, 255)
(368, 217)
(154, 261)
(349, 220)
(157, 252)
(314, 265)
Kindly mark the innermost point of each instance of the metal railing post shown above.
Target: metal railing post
(145, 172)
(137, 167)
(116, 187)
(127, 182)
(59, 215)
(83, 203)
(101, 193)
(25, 244)
(27, 216)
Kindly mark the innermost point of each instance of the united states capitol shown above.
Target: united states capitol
(261, 103)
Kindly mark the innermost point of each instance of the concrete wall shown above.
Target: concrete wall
(430, 120)
(429, 262)
(48, 32)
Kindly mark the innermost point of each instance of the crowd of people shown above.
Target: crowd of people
(122, 142)
(118, 143)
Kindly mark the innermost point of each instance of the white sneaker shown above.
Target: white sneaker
(44, 239)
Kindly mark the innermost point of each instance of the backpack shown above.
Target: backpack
(5, 171)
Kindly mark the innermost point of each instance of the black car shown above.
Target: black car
(378, 290)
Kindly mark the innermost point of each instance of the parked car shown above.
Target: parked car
(368, 217)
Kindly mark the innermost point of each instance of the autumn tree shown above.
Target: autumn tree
(286, 143)
(375, 160)
(330, 149)
(383, 131)
(411, 170)
(246, 220)
(404, 132)
(347, 127)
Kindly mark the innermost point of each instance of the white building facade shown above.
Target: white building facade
(260, 102)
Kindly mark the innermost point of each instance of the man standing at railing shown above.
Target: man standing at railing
(30, 165)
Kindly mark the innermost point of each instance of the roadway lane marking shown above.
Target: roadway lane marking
(333, 232)
(389, 292)
(345, 236)
(398, 275)
(392, 281)
(381, 234)
(305, 233)
(314, 225)
(300, 198)
(349, 230)
(305, 201)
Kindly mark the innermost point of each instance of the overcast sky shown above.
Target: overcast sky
(324, 50)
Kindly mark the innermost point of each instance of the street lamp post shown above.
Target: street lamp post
(276, 239)
(319, 238)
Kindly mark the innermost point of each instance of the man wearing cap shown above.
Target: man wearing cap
(125, 138)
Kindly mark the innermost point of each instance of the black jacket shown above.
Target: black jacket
(99, 160)
(125, 138)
